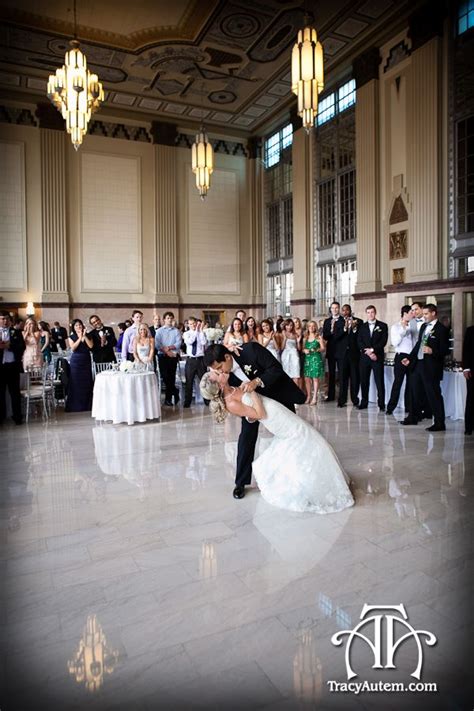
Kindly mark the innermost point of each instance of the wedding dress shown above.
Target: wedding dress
(299, 470)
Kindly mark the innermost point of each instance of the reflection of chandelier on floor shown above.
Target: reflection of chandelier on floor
(74, 91)
(93, 658)
(307, 73)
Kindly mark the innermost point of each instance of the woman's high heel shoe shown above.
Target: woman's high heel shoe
(313, 402)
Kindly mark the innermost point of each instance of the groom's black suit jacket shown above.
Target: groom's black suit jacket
(257, 362)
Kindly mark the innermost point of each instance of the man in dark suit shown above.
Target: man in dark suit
(468, 369)
(12, 346)
(252, 367)
(329, 328)
(426, 362)
(347, 355)
(372, 338)
(59, 336)
(103, 338)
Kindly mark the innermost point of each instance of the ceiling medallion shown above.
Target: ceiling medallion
(307, 73)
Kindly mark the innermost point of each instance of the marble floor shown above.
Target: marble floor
(133, 580)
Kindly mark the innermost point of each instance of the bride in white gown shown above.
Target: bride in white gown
(314, 481)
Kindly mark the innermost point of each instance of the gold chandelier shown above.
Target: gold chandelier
(307, 73)
(75, 92)
(202, 162)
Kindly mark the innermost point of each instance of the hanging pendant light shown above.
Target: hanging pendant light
(202, 155)
(74, 91)
(307, 73)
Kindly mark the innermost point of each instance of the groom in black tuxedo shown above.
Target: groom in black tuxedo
(372, 339)
(254, 367)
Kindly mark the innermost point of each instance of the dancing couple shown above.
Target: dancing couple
(249, 382)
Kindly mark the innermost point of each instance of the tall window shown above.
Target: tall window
(335, 199)
(465, 175)
(278, 185)
(465, 16)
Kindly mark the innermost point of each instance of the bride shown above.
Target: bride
(316, 483)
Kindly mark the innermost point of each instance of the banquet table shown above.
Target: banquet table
(453, 387)
(126, 397)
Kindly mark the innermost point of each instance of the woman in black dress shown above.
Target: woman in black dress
(79, 395)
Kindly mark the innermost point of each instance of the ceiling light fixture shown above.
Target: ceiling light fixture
(202, 156)
(74, 91)
(307, 73)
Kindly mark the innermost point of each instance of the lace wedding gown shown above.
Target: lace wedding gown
(299, 470)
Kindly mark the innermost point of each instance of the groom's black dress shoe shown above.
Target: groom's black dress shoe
(409, 421)
(239, 492)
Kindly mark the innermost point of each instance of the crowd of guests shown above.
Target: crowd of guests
(342, 348)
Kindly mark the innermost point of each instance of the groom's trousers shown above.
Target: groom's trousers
(246, 449)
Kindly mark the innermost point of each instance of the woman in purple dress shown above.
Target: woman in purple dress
(79, 395)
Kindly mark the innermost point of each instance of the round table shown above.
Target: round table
(126, 397)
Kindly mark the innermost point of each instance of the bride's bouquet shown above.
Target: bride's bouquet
(213, 334)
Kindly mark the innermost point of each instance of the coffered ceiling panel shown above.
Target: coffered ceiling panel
(225, 60)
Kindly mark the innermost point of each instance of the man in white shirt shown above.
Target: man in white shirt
(130, 334)
(401, 337)
(195, 341)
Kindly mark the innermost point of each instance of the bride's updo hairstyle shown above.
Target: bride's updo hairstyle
(210, 391)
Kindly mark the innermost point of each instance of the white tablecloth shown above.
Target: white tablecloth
(453, 387)
(126, 397)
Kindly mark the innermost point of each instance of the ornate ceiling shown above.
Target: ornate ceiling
(225, 61)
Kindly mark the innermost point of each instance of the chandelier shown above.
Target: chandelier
(74, 91)
(307, 73)
(202, 162)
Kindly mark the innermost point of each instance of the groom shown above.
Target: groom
(254, 368)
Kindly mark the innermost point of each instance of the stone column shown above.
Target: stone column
(166, 224)
(302, 300)
(53, 139)
(254, 186)
(423, 161)
(367, 171)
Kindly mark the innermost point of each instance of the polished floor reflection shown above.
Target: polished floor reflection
(133, 580)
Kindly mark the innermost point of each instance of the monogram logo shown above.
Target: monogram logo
(385, 633)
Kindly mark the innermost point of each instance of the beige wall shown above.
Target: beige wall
(135, 230)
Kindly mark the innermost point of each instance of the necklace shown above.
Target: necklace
(231, 393)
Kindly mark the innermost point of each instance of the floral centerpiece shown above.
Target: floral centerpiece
(126, 366)
(213, 334)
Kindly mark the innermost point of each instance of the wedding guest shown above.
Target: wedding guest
(290, 352)
(195, 341)
(313, 344)
(251, 330)
(372, 339)
(468, 370)
(45, 341)
(144, 347)
(168, 342)
(121, 329)
(128, 323)
(12, 346)
(155, 325)
(329, 328)
(270, 339)
(130, 334)
(415, 325)
(32, 356)
(300, 335)
(103, 339)
(79, 395)
(59, 335)
(347, 354)
(427, 363)
(235, 334)
(401, 337)
(240, 313)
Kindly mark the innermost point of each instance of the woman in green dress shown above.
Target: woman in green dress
(313, 362)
